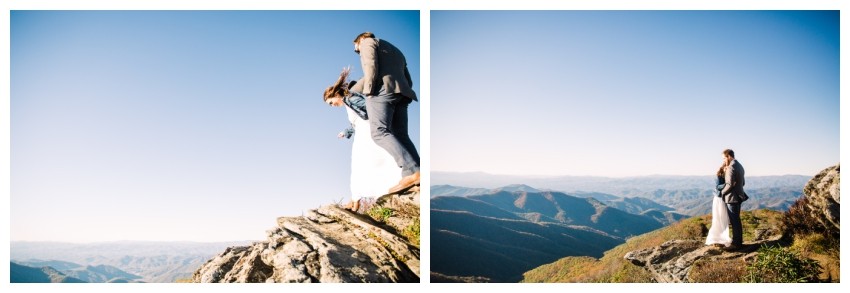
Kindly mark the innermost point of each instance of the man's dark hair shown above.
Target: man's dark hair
(729, 152)
(363, 36)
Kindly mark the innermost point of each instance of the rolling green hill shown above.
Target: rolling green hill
(501, 235)
(468, 245)
(24, 274)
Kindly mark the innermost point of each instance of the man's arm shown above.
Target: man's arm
(369, 63)
(730, 172)
(407, 75)
(357, 87)
(720, 186)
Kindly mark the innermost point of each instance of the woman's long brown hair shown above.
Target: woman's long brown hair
(722, 170)
(340, 87)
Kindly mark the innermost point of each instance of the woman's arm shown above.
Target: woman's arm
(347, 133)
(719, 183)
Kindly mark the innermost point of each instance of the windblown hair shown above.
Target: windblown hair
(722, 171)
(729, 153)
(363, 36)
(340, 88)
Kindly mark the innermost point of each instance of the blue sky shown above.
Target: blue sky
(182, 125)
(628, 93)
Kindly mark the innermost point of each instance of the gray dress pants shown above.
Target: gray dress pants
(388, 121)
(734, 210)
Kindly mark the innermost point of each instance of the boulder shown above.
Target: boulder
(824, 197)
(327, 245)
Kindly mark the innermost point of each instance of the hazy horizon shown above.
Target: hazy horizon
(133, 241)
(621, 176)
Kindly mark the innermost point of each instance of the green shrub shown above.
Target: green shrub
(380, 213)
(412, 232)
(780, 265)
(801, 220)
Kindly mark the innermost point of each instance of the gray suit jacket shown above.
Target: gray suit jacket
(733, 191)
(384, 68)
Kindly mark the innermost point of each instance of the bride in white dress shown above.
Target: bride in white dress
(372, 167)
(718, 234)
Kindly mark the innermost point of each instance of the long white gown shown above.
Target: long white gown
(719, 231)
(373, 170)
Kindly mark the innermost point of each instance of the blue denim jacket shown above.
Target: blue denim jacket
(719, 183)
(357, 103)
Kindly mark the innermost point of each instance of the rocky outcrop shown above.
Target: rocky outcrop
(672, 261)
(328, 244)
(824, 199)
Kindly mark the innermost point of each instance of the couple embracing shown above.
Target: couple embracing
(726, 207)
(383, 158)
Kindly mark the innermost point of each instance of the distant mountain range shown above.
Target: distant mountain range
(125, 261)
(633, 205)
(687, 195)
(696, 202)
(614, 186)
(501, 235)
(450, 190)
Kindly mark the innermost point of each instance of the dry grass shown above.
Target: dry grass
(562, 270)
(813, 240)
(718, 271)
(613, 268)
(824, 250)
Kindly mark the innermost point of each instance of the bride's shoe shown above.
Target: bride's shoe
(348, 205)
(352, 206)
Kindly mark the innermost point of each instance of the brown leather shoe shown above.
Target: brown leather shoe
(355, 206)
(406, 182)
(352, 206)
(732, 248)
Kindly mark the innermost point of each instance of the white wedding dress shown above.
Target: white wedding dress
(373, 169)
(719, 231)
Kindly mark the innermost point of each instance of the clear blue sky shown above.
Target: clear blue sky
(182, 125)
(626, 93)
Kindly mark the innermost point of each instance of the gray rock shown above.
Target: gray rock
(327, 245)
(824, 196)
(671, 262)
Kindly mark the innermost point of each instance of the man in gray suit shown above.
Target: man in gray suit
(387, 85)
(733, 194)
